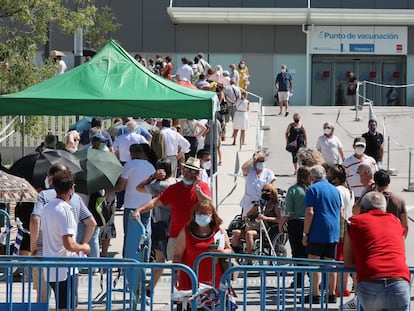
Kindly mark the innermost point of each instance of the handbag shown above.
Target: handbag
(292, 146)
(224, 108)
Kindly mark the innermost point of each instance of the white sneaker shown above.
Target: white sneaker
(351, 305)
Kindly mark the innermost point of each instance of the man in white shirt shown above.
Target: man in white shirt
(330, 146)
(124, 141)
(135, 171)
(59, 238)
(351, 166)
(231, 94)
(184, 71)
(234, 74)
(173, 141)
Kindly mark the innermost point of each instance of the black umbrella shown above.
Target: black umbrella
(33, 167)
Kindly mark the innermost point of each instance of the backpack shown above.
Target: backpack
(157, 144)
(101, 211)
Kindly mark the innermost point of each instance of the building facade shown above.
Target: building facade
(321, 42)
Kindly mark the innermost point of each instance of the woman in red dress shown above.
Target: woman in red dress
(203, 233)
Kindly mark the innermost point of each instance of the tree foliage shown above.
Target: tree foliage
(24, 26)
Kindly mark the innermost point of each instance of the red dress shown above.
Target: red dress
(195, 246)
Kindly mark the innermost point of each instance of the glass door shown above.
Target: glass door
(322, 83)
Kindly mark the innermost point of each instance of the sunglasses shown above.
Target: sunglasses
(186, 169)
(326, 128)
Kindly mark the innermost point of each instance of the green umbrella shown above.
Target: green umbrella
(101, 170)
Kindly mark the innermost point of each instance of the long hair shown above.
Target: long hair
(205, 207)
(274, 199)
(338, 171)
(303, 177)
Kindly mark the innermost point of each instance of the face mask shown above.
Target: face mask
(102, 146)
(296, 120)
(266, 196)
(372, 128)
(207, 165)
(259, 165)
(202, 219)
(283, 70)
(326, 131)
(241, 65)
(359, 150)
(187, 182)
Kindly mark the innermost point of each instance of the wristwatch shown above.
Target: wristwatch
(305, 234)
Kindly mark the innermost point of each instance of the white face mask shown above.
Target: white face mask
(241, 65)
(202, 219)
(207, 165)
(359, 150)
(283, 70)
(187, 181)
(326, 131)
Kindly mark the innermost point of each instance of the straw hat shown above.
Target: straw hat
(193, 163)
(56, 53)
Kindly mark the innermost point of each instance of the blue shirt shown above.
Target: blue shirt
(326, 202)
(283, 80)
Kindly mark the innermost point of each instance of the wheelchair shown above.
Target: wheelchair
(270, 242)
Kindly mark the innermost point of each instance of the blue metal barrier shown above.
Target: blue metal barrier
(268, 283)
(109, 287)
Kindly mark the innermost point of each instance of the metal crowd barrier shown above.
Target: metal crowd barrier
(110, 289)
(265, 282)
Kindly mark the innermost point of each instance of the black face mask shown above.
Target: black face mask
(266, 196)
(296, 120)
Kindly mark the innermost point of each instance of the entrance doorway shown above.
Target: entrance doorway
(330, 74)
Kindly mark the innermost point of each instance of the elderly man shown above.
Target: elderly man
(374, 245)
(323, 208)
(330, 146)
(182, 197)
(124, 141)
(351, 165)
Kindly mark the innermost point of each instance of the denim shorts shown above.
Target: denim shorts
(382, 297)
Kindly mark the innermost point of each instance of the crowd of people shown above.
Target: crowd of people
(165, 183)
(332, 193)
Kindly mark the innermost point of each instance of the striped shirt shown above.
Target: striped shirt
(351, 165)
(79, 209)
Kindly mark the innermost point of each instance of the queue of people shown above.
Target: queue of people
(326, 209)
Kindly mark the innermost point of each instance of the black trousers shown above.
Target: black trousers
(295, 231)
(193, 146)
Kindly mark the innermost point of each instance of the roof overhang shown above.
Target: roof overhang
(290, 16)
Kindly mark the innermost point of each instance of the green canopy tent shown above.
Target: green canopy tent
(112, 83)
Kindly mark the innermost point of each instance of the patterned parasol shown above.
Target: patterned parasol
(14, 189)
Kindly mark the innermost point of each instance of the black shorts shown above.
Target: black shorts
(23, 211)
(322, 250)
(65, 288)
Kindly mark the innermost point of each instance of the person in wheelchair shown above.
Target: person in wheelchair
(266, 210)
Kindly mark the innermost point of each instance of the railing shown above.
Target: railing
(267, 283)
(111, 289)
(12, 142)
